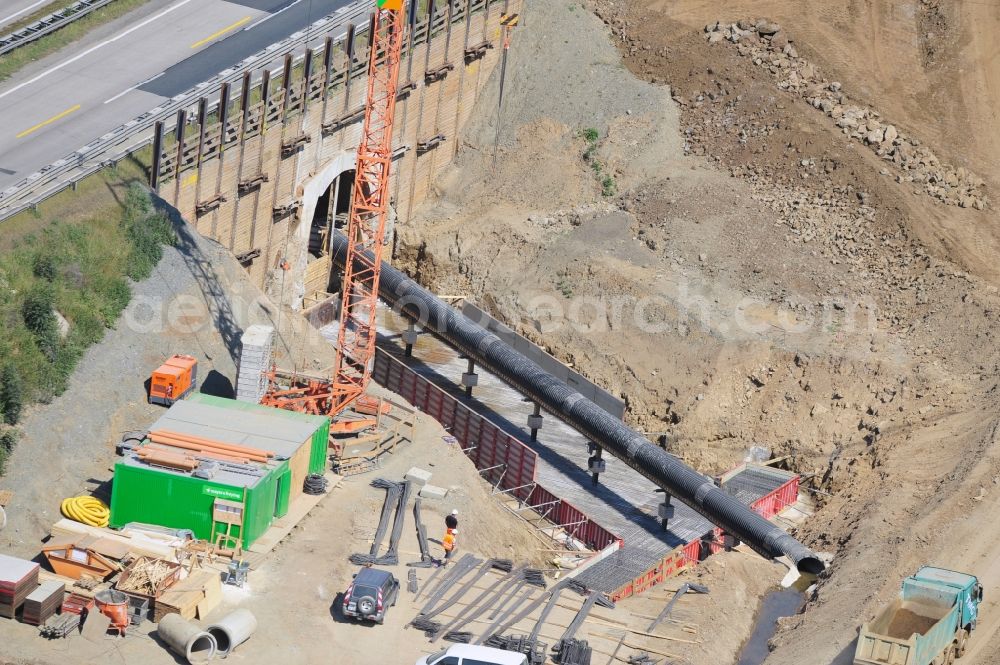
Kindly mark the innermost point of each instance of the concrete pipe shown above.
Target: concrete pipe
(233, 630)
(186, 639)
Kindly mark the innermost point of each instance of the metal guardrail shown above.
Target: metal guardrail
(137, 133)
(49, 24)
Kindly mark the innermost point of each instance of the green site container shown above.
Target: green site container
(154, 496)
(320, 437)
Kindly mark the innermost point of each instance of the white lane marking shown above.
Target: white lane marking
(128, 90)
(62, 64)
(270, 16)
(4, 21)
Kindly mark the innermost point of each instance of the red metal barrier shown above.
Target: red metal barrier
(767, 506)
(771, 504)
(572, 519)
(679, 558)
(506, 463)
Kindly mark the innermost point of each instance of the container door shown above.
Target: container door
(281, 495)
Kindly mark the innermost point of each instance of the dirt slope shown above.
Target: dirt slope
(757, 277)
(197, 302)
(930, 65)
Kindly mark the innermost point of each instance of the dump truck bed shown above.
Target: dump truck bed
(912, 629)
(906, 633)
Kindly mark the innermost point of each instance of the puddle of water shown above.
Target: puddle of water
(776, 604)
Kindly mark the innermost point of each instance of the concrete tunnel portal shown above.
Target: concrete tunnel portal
(326, 201)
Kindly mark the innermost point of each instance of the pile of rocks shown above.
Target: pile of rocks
(767, 45)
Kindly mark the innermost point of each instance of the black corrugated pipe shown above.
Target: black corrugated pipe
(666, 471)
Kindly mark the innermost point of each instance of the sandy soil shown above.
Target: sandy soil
(740, 272)
(198, 301)
(790, 295)
(293, 593)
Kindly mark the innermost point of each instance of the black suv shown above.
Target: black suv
(370, 595)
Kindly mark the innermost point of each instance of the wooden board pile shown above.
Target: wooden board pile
(18, 578)
(137, 543)
(148, 577)
(43, 602)
(193, 597)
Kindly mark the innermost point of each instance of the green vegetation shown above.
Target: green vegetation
(11, 394)
(564, 285)
(591, 136)
(13, 61)
(78, 270)
(7, 442)
(608, 185)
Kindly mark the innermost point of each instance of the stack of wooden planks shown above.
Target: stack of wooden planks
(43, 602)
(135, 542)
(156, 456)
(18, 579)
(185, 447)
(148, 577)
(193, 597)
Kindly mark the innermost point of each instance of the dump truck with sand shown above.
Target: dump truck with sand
(928, 624)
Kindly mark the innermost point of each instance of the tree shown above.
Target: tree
(39, 319)
(44, 267)
(7, 442)
(11, 394)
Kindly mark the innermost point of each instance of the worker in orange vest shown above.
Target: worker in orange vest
(448, 542)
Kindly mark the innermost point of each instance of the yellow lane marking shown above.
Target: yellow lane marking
(221, 32)
(49, 121)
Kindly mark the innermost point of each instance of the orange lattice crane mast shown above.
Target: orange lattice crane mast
(365, 233)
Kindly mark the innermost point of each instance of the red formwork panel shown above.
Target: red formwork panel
(678, 559)
(767, 506)
(506, 462)
(771, 504)
(574, 521)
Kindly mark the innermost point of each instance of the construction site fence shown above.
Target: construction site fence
(683, 556)
(503, 461)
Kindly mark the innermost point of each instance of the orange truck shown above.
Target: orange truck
(173, 380)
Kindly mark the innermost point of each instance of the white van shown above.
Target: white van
(473, 654)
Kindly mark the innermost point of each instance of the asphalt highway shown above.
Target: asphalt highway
(67, 100)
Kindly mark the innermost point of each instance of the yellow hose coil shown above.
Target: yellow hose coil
(86, 509)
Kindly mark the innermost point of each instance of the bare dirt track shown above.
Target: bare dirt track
(755, 276)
